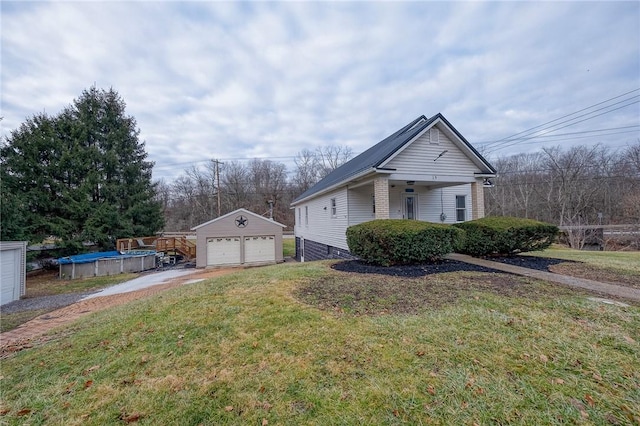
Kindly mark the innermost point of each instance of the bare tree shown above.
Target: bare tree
(331, 157)
(575, 187)
(235, 188)
(306, 174)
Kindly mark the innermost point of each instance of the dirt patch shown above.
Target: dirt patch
(39, 283)
(376, 294)
(583, 270)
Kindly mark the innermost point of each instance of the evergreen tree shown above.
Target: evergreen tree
(80, 176)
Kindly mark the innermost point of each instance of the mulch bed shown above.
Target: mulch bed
(531, 262)
(409, 271)
(446, 265)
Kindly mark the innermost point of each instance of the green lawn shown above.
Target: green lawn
(289, 247)
(47, 283)
(623, 261)
(304, 344)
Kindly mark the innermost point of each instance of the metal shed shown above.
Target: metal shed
(13, 256)
(238, 238)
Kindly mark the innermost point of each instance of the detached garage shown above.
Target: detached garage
(238, 238)
(13, 255)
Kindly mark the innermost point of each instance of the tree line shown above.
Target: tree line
(83, 176)
(579, 185)
(259, 185)
(79, 176)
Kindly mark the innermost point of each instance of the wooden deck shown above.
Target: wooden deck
(174, 245)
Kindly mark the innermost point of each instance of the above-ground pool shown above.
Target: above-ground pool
(106, 263)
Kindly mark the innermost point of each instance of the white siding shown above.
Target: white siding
(396, 201)
(322, 227)
(433, 205)
(361, 205)
(430, 204)
(417, 160)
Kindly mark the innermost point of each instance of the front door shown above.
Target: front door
(410, 207)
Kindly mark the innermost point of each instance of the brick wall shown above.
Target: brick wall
(477, 200)
(381, 192)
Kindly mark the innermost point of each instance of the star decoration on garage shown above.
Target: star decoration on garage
(241, 221)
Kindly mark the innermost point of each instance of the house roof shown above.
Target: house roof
(380, 152)
(235, 212)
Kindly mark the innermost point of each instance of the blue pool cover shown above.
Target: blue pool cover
(92, 257)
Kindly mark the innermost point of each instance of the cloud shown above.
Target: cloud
(243, 79)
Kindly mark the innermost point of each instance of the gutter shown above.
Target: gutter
(334, 186)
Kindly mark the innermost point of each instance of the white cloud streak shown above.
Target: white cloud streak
(267, 79)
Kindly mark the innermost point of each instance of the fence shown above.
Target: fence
(601, 237)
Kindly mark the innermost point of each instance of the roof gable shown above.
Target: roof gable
(235, 212)
(378, 154)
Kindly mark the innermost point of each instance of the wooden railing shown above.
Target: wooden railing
(177, 245)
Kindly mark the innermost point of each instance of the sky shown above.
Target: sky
(242, 80)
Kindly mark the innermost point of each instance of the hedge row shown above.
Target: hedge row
(389, 242)
(505, 235)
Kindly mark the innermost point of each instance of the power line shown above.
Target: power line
(564, 116)
(512, 142)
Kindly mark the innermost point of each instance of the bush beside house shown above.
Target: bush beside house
(389, 242)
(505, 235)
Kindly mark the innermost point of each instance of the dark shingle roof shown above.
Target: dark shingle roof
(379, 153)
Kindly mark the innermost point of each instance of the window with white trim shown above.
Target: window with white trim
(373, 204)
(306, 215)
(300, 215)
(461, 208)
(334, 209)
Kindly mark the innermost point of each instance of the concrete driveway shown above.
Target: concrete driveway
(144, 281)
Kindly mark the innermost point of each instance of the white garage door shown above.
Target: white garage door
(9, 275)
(223, 251)
(259, 249)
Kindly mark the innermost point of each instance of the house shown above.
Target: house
(238, 238)
(425, 171)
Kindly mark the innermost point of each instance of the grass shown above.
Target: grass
(289, 247)
(47, 283)
(621, 261)
(605, 266)
(11, 321)
(265, 346)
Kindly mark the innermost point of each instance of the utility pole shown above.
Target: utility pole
(217, 162)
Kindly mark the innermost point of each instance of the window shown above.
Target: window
(334, 210)
(373, 204)
(299, 215)
(306, 215)
(434, 135)
(461, 208)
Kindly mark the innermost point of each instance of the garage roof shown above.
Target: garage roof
(235, 212)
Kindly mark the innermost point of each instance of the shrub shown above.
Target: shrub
(389, 242)
(506, 235)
